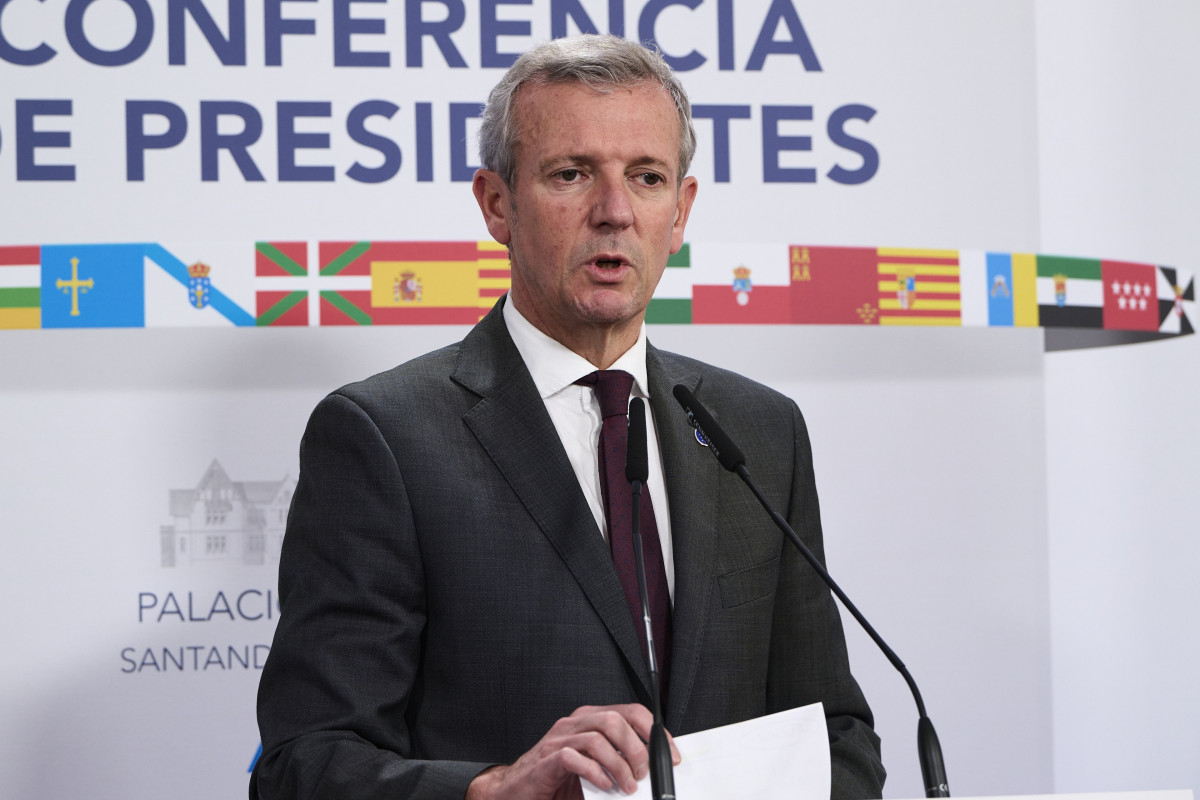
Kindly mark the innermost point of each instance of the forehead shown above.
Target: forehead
(575, 119)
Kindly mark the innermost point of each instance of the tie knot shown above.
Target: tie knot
(612, 390)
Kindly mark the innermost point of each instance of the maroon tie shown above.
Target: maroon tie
(612, 391)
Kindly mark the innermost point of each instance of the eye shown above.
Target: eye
(568, 175)
(650, 178)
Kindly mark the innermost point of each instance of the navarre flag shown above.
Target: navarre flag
(20, 287)
(1070, 292)
(834, 285)
(93, 286)
(672, 301)
(1176, 301)
(281, 283)
(919, 287)
(740, 284)
(412, 283)
(998, 289)
(1130, 296)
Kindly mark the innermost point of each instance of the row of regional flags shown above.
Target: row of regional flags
(298, 283)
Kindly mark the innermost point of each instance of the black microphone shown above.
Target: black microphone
(637, 470)
(933, 769)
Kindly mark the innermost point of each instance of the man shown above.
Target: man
(453, 621)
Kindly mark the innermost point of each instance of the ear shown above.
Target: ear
(493, 198)
(683, 208)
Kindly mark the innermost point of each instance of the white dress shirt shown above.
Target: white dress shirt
(575, 413)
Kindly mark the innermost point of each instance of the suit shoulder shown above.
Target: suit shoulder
(419, 380)
(721, 386)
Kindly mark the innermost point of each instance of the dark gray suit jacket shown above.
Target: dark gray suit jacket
(446, 595)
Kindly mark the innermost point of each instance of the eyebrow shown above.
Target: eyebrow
(580, 158)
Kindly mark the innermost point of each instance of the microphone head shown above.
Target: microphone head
(637, 461)
(721, 445)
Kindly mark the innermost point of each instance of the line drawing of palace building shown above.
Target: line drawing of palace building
(223, 521)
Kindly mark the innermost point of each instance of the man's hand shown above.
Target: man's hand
(584, 745)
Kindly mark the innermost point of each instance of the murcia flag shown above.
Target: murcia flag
(834, 285)
(20, 287)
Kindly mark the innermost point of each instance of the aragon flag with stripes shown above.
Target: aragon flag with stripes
(413, 283)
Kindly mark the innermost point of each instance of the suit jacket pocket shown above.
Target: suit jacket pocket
(745, 585)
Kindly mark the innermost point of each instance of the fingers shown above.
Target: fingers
(610, 735)
(604, 744)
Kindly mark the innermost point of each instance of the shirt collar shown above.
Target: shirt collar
(555, 367)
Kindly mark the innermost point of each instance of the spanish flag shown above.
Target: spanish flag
(413, 283)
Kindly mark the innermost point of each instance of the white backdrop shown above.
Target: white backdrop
(1001, 514)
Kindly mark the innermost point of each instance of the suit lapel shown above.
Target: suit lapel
(510, 422)
(691, 475)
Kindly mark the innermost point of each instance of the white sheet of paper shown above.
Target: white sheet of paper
(783, 756)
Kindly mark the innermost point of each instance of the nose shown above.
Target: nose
(612, 206)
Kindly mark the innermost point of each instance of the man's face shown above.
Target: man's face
(595, 207)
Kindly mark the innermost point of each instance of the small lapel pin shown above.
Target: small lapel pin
(700, 438)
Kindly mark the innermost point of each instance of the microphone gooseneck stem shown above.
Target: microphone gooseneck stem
(933, 768)
(929, 750)
(662, 771)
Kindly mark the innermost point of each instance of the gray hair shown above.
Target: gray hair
(600, 62)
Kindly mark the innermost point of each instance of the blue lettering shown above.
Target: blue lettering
(276, 27)
(259, 662)
(646, 25)
(195, 648)
(424, 142)
(416, 29)
(289, 141)
(221, 606)
(142, 605)
(725, 35)
(143, 34)
(357, 128)
(234, 656)
(169, 656)
(214, 657)
(562, 10)
(137, 141)
(345, 26)
(15, 55)
(782, 11)
(148, 661)
(492, 28)
(837, 133)
(170, 606)
(773, 143)
(125, 657)
(241, 612)
(230, 50)
(212, 142)
(191, 612)
(460, 168)
(720, 116)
